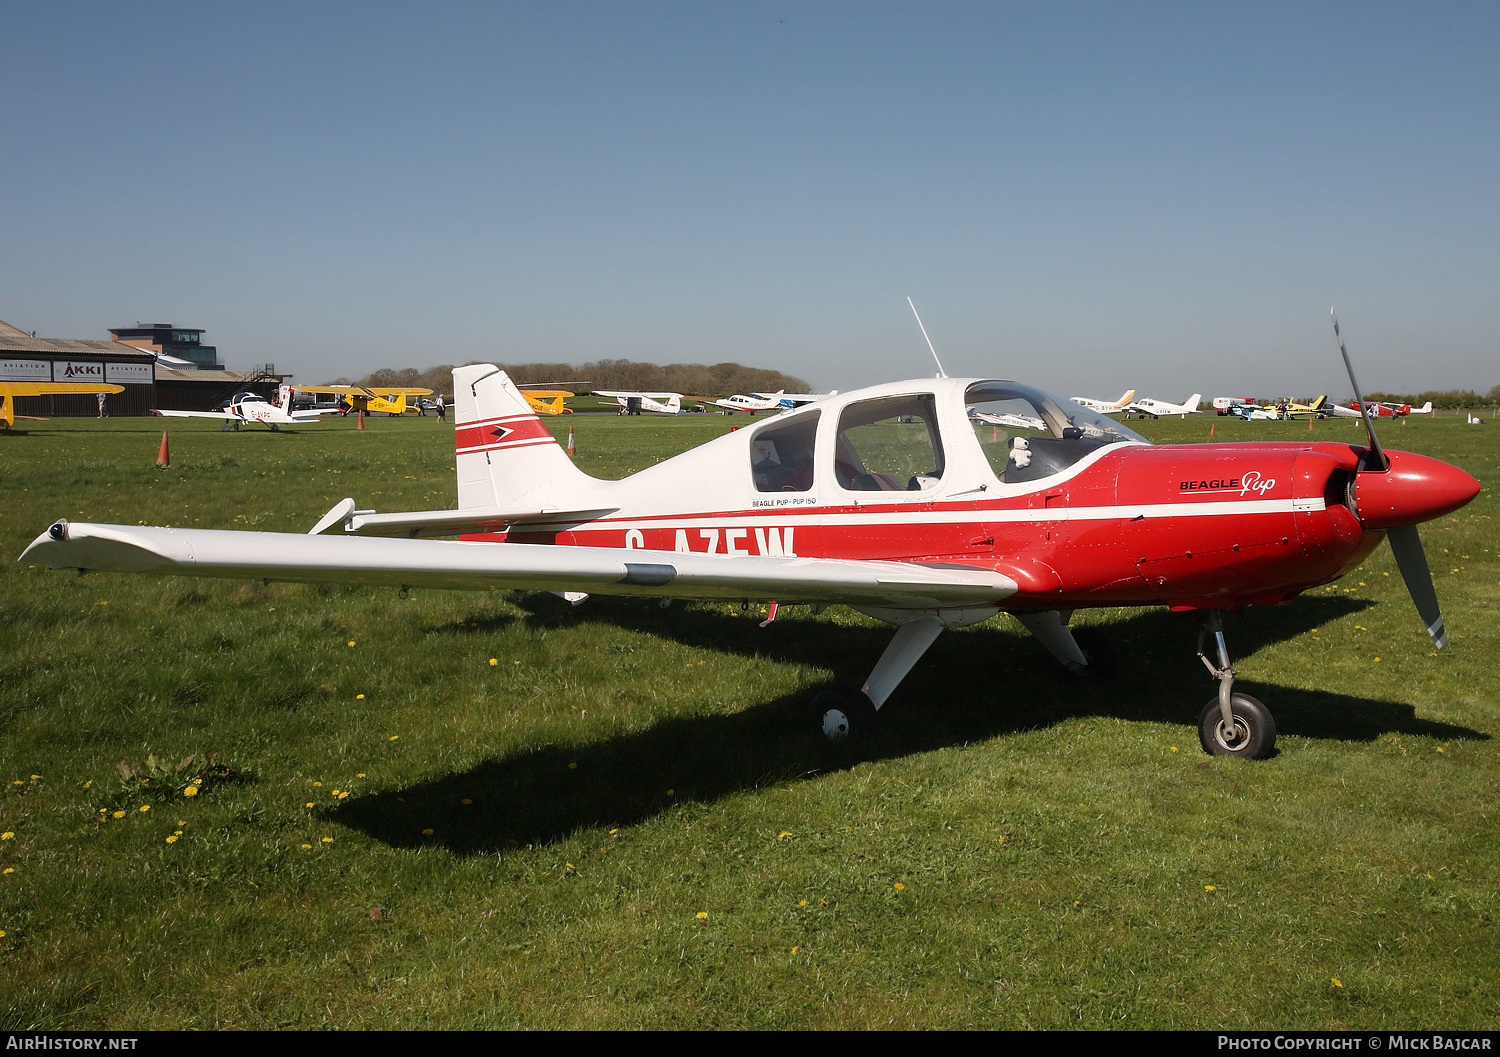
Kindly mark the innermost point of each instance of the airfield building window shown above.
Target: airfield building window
(1027, 434)
(781, 457)
(889, 445)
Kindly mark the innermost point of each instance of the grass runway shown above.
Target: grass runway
(484, 810)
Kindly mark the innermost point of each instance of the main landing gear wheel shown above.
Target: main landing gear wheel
(1098, 651)
(839, 715)
(1253, 736)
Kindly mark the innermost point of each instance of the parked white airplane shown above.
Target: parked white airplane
(252, 407)
(751, 404)
(1147, 407)
(1105, 407)
(788, 401)
(633, 403)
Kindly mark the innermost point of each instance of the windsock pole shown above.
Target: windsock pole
(572, 448)
(164, 455)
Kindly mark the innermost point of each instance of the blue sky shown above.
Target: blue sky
(1085, 197)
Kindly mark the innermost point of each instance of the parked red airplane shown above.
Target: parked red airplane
(891, 500)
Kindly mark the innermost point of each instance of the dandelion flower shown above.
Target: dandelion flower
(306, 847)
(394, 737)
(361, 774)
(172, 839)
(351, 642)
(335, 792)
(1174, 748)
(359, 697)
(702, 915)
(7, 835)
(900, 887)
(796, 949)
(145, 807)
(197, 781)
(36, 778)
(344, 795)
(494, 661)
(1209, 888)
(803, 903)
(318, 784)
(1336, 982)
(10, 869)
(327, 840)
(18, 782)
(2, 933)
(119, 814)
(191, 790)
(572, 766)
(785, 834)
(309, 803)
(177, 834)
(88, 783)
(181, 824)
(428, 833)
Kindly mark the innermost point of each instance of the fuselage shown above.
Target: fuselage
(1094, 516)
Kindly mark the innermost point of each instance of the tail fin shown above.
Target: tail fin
(1425, 409)
(1191, 403)
(1127, 398)
(506, 458)
(674, 403)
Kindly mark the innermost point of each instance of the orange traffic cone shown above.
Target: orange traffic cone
(164, 455)
(572, 448)
(1210, 429)
(1309, 423)
(361, 424)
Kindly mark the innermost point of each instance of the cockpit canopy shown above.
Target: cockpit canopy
(1027, 434)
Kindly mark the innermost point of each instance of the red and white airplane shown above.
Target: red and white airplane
(890, 500)
(252, 407)
(1383, 410)
(752, 404)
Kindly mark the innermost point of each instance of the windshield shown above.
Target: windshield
(1027, 434)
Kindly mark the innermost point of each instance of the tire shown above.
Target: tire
(1098, 651)
(841, 715)
(1255, 728)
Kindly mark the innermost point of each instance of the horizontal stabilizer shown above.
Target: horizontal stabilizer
(427, 523)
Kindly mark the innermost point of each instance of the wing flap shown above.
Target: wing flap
(461, 565)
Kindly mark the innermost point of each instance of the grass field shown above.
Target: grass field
(477, 810)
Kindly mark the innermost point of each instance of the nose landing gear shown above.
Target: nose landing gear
(1231, 724)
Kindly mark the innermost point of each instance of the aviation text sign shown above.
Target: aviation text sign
(25, 371)
(129, 373)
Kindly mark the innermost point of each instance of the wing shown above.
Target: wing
(56, 388)
(362, 390)
(448, 564)
(196, 414)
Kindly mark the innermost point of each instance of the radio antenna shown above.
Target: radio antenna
(941, 373)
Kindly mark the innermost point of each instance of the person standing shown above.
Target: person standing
(100, 397)
(442, 408)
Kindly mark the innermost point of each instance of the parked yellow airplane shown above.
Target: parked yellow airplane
(1317, 407)
(390, 399)
(548, 401)
(10, 390)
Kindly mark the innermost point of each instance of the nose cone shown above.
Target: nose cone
(1413, 490)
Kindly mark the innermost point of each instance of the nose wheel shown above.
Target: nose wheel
(1231, 724)
(1250, 734)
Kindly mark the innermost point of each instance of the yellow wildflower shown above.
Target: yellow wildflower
(900, 887)
(1336, 982)
(428, 833)
(172, 839)
(359, 697)
(306, 847)
(119, 814)
(181, 824)
(145, 807)
(803, 903)
(351, 642)
(191, 790)
(88, 783)
(7, 835)
(1209, 888)
(702, 915)
(318, 784)
(197, 781)
(360, 775)
(309, 803)
(494, 661)
(395, 736)
(10, 869)
(327, 840)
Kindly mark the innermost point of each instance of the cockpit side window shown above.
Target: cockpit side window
(889, 445)
(781, 455)
(1027, 434)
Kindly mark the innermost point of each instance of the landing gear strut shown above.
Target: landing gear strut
(1231, 724)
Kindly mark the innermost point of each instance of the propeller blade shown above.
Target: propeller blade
(1376, 459)
(1412, 561)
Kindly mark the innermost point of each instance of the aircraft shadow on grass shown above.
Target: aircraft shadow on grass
(971, 686)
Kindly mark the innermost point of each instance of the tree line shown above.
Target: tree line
(1442, 400)
(689, 379)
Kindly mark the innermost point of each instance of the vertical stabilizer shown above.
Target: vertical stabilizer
(506, 458)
